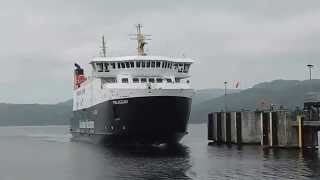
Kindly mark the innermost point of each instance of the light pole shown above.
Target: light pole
(225, 95)
(310, 66)
(225, 88)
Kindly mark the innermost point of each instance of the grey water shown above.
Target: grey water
(46, 153)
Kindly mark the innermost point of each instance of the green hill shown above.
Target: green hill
(286, 93)
(59, 114)
(34, 114)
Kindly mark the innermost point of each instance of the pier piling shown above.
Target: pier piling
(270, 129)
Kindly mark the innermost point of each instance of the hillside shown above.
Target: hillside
(34, 114)
(288, 93)
(58, 114)
(203, 95)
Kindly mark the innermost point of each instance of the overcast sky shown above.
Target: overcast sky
(248, 41)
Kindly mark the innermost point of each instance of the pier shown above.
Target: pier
(270, 129)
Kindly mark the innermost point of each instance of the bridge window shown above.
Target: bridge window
(158, 64)
(124, 80)
(138, 63)
(159, 80)
(106, 65)
(153, 64)
(113, 65)
(143, 80)
(180, 68)
(151, 80)
(100, 67)
(169, 80)
(127, 64)
(148, 64)
(123, 65)
(135, 80)
(186, 68)
(132, 64)
(175, 66)
(143, 64)
(119, 65)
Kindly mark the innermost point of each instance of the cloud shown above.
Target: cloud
(250, 41)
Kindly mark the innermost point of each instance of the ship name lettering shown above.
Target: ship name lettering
(125, 101)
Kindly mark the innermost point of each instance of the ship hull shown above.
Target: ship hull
(147, 120)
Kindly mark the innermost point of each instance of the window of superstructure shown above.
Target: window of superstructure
(143, 80)
(186, 68)
(151, 80)
(138, 64)
(127, 64)
(180, 67)
(109, 80)
(113, 65)
(177, 80)
(169, 80)
(175, 66)
(135, 80)
(159, 80)
(153, 64)
(132, 64)
(123, 65)
(124, 80)
(106, 67)
(158, 64)
(148, 64)
(100, 67)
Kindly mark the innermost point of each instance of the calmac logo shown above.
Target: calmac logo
(123, 101)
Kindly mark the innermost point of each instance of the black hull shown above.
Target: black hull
(161, 119)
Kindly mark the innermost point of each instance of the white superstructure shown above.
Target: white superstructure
(115, 78)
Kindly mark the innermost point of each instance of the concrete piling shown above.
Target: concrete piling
(210, 126)
(270, 129)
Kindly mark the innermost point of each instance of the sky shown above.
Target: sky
(247, 41)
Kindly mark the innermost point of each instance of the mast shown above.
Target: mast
(103, 47)
(141, 39)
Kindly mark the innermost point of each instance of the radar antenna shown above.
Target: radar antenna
(141, 38)
(103, 47)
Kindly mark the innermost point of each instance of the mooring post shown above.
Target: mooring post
(210, 127)
(261, 124)
(300, 130)
(270, 129)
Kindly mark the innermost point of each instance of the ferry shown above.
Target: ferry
(132, 99)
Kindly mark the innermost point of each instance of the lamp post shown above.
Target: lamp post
(225, 88)
(310, 66)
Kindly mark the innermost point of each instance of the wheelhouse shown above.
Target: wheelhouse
(141, 69)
